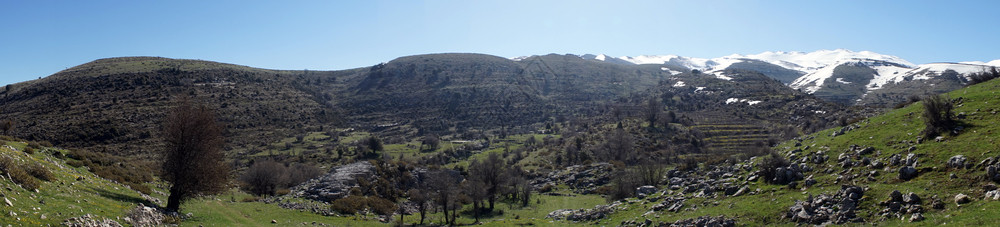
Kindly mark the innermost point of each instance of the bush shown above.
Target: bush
(17, 173)
(128, 172)
(769, 166)
(938, 117)
(38, 171)
(269, 177)
(348, 205)
(264, 177)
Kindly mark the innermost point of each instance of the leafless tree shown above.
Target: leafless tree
(491, 173)
(193, 158)
(420, 198)
(652, 111)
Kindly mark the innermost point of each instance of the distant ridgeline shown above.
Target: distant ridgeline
(115, 105)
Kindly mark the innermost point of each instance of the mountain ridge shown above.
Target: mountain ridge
(810, 71)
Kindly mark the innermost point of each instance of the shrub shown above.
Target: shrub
(348, 205)
(29, 150)
(769, 167)
(17, 173)
(38, 171)
(132, 173)
(938, 117)
(264, 177)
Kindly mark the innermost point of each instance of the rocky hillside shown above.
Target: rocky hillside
(115, 105)
(879, 170)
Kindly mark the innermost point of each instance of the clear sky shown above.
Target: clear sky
(41, 37)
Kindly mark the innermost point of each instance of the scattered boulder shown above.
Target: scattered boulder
(899, 204)
(90, 221)
(895, 160)
(672, 204)
(598, 212)
(643, 191)
(720, 221)
(907, 173)
(957, 162)
(962, 199)
(916, 217)
(911, 159)
(993, 172)
(144, 216)
(836, 209)
(584, 179)
(936, 203)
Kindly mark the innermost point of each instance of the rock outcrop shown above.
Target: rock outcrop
(336, 184)
(836, 209)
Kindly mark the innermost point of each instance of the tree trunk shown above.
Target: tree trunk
(174, 200)
(422, 212)
(475, 208)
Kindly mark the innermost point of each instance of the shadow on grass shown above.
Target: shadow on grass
(123, 198)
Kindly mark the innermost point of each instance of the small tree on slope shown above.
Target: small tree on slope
(193, 158)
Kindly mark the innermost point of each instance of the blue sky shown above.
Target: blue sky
(41, 37)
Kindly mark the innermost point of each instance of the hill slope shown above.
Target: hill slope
(870, 154)
(116, 104)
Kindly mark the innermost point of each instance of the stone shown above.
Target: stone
(907, 172)
(7, 201)
(911, 198)
(645, 190)
(895, 196)
(916, 217)
(274, 221)
(962, 199)
(994, 195)
(144, 216)
(957, 162)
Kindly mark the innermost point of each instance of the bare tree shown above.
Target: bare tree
(476, 191)
(418, 197)
(652, 111)
(491, 173)
(444, 185)
(193, 158)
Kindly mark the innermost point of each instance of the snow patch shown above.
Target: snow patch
(841, 80)
(679, 84)
(671, 71)
(738, 100)
(720, 76)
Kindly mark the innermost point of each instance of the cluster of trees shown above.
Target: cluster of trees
(486, 182)
(984, 76)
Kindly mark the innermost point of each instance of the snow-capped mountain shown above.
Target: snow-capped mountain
(839, 75)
